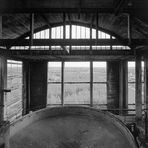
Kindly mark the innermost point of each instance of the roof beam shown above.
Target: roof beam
(120, 5)
(31, 29)
(66, 10)
(61, 42)
(49, 25)
(73, 52)
(72, 42)
(46, 20)
(74, 55)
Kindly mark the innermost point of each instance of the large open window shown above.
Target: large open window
(71, 32)
(13, 107)
(77, 82)
(54, 83)
(132, 84)
(99, 84)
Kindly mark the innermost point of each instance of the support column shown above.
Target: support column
(3, 85)
(3, 78)
(31, 29)
(26, 88)
(113, 85)
(138, 89)
(62, 83)
(34, 85)
(91, 83)
(123, 99)
(146, 94)
(38, 85)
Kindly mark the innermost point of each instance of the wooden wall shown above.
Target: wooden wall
(113, 84)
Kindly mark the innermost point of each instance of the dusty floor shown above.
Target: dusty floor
(69, 132)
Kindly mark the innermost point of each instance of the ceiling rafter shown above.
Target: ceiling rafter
(73, 42)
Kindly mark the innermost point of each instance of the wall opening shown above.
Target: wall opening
(13, 102)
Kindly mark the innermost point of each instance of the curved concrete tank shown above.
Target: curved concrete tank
(70, 127)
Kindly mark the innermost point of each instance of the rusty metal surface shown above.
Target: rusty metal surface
(72, 127)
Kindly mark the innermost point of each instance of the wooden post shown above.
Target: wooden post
(91, 83)
(1, 27)
(146, 94)
(111, 47)
(38, 85)
(70, 35)
(96, 26)
(91, 72)
(31, 29)
(3, 80)
(62, 83)
(3, 85)
(64, 26)
(113, 85)
(129, 29)
(50, 29)
(26, 88)
(123, 101)
(138, 89)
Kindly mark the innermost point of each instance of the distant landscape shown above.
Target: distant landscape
(76, 93)
(80, 93)
(13, 99)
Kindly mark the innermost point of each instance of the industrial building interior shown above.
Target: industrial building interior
(74, 74)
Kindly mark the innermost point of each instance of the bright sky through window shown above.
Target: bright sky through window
(77, 64)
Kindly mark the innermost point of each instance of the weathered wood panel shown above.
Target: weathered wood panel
(113, 84)
(38, 85)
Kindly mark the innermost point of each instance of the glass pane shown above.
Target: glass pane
(54, 71)
(99, 71)
(76, 72)
(142, 93)
(131, 71)
(131, 93)
(142, 66)
(77, 94)
(67, 31)
(99, 94)
(54, 94)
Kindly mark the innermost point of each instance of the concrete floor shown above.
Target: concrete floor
(70, 132)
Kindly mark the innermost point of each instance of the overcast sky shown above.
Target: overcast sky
(85, 64)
